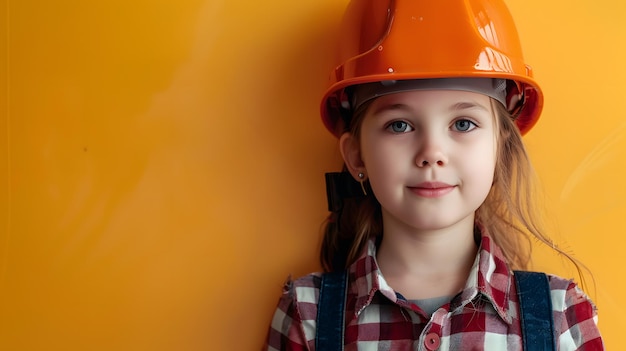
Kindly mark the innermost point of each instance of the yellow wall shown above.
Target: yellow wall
(161, 163)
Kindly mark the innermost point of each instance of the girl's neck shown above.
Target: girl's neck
(429, 263)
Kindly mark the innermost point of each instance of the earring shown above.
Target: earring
(362, 180)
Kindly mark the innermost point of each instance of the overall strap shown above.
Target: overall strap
(331, 312)
(533, 291)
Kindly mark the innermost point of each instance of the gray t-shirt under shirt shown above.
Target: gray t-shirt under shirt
(431, 305)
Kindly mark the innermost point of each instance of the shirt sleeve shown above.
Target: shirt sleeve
(286, 332)
(576, 319)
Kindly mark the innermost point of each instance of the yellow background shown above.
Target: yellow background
(161, 163)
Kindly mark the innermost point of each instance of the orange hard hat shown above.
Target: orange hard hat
(395, 40)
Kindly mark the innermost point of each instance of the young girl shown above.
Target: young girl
(433, 211)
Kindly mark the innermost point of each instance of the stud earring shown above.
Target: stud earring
(361, 181)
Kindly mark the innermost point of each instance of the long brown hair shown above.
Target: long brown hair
(348, 230)
(508, 214)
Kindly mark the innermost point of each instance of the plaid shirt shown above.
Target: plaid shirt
(484, 316)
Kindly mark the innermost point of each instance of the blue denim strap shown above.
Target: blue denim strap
(331, 312)
(533, 291)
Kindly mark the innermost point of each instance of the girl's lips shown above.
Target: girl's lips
(432, 189)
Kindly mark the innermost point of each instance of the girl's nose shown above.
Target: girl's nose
(431, 154)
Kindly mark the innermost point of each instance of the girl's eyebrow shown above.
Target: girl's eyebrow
(465, 105)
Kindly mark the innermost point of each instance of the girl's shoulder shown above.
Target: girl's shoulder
(575, 315)
(304, 289)
(566, 293)
(294, 320)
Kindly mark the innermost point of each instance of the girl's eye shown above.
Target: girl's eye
(399, 127)
(464, 125)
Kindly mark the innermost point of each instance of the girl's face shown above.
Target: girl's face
(429, 156)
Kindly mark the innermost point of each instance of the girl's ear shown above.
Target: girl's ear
(351, 153)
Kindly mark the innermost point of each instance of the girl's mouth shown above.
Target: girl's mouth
(432, 189)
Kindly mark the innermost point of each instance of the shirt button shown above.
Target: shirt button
(432, 341)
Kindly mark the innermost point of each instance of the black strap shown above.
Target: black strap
(340, 186)
(330, 312)
(533, 291)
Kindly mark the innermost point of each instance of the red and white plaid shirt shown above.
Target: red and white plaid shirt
(484, 316)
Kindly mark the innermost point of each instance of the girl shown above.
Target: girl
(429, 105)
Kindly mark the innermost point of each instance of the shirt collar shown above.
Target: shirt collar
(490, 277)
